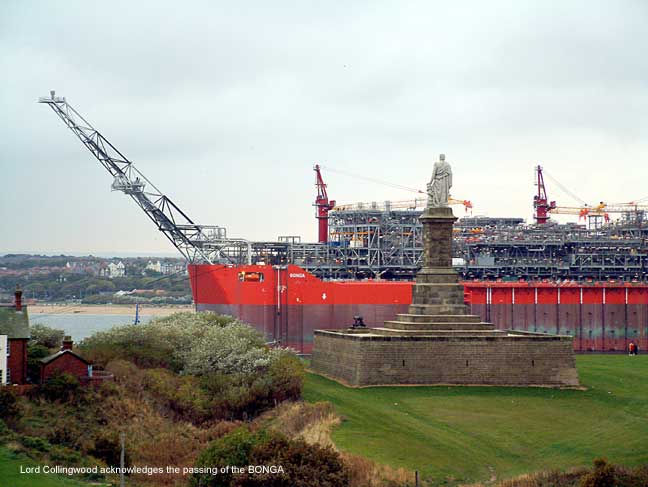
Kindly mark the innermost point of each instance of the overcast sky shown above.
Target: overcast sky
(227, 106)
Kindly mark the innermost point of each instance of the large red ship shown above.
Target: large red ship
(287, 303)
(591, 283)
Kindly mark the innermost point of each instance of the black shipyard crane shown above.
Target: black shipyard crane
(197, 243)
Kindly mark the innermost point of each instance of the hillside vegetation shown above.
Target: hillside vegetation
(10, 476)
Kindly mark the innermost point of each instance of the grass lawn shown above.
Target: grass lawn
(461, 434)
(10, 475)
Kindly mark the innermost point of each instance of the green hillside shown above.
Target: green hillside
(10, 475)
(474, 433)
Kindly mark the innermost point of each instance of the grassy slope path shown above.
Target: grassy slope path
(466, 433)
(10, 475)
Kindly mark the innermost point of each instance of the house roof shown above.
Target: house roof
(14, 324)
(60, 353)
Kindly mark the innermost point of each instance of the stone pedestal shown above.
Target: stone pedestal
(437, 296)
(437, 239)
(438, 341)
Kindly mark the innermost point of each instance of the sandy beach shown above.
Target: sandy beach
(102, 309)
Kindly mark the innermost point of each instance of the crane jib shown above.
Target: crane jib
(197, 243)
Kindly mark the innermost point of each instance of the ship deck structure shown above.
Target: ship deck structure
(589, 281)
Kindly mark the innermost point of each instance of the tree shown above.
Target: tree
(35, 352)
(234, 348)
(46, 336)
(60, 387)
(9, 407)
(603, 475)
(236, 370)
(302, 465)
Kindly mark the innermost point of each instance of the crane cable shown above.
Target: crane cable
(564, 189)
(575, 197)
(374, 180)
(640, 200)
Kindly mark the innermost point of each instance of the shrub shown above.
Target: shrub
(68, 433)
(60, 387)
(33, 443)
(137, 343)
(180, 394)
(46, 336)
(228, 349)
(286, 373)
(160, 343)
(303, 465)
(62, 454)
(239, 375)
(107, 447)
(5, 433)
(603, 475)
(35, 352)
(193, 343)
(243, 396)
(9, 407)
(234, 448)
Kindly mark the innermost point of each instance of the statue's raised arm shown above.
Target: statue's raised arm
(440, 184)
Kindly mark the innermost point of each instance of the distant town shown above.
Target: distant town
(95, 280)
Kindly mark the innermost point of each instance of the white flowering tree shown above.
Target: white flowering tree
(236, 348)
(199, 343)
(239, 374)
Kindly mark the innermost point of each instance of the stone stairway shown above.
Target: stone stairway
(437, 305)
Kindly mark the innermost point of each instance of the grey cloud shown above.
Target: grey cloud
(226, 107)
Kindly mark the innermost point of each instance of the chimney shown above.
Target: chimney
(67, 343)
(18, 295)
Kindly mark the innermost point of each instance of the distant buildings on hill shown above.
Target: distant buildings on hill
(166, 268)
(112, 270)
(93, 280)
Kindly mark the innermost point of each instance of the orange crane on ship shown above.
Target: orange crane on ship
(543, 208)
(322, 199)
(401, 204)
(323, 205)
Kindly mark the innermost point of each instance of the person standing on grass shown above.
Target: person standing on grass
(632, 348)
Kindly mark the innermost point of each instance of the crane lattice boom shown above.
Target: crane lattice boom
(197, 243)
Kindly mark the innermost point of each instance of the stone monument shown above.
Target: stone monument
(438, 341)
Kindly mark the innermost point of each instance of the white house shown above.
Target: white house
(154, 266)
(173, 268)
(4, 347)
(113, 270)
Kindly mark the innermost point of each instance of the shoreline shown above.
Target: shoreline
(104, 309)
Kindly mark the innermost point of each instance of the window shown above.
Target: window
(8, 347)
(8, 375)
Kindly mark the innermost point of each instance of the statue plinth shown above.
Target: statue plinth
(438, 341)
(437, 246)
(437, 290)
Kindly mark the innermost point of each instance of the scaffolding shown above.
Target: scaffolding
(377, 241)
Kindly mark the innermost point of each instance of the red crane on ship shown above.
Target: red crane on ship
(541, 205)
(322, 205)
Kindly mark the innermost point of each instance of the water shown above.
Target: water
(80, 326)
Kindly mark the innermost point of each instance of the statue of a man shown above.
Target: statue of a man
(439, 186)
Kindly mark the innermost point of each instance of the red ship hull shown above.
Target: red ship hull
(289, 304)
